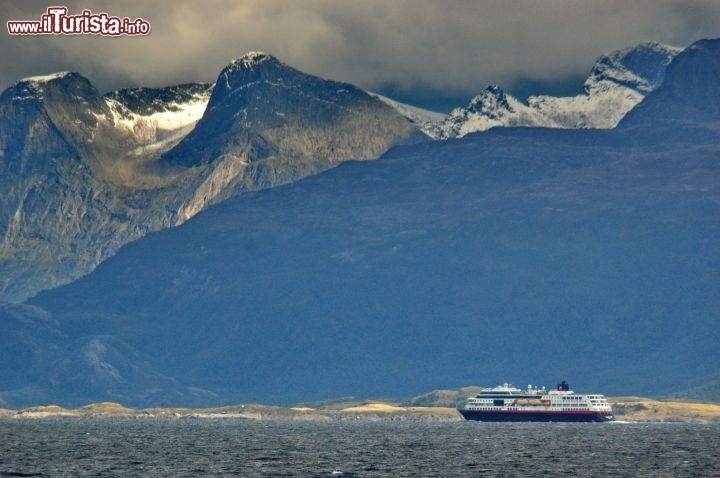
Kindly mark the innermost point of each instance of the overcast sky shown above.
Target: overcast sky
(436, 52)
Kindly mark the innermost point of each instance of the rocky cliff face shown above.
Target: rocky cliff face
(83, 173)
(48, 188)
(268, 124)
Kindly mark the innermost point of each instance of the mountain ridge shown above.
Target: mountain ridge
(124, 144)
(440, 263)
(616, 83)
(90, 172)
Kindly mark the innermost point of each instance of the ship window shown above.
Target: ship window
(498, 403)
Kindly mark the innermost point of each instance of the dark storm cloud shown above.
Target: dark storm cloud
(454, 47)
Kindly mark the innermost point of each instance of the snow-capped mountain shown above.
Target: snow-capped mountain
(493, 107)
(617, 82)
(83, 173)
(259, 104)
(75, 184)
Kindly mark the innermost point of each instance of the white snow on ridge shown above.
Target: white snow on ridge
(602, 107)
(45, 78)
(36, 85)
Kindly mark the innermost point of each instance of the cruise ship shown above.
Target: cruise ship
(506, 403)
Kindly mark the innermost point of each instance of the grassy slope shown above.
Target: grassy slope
(647, 409)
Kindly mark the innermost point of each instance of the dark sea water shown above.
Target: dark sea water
(236, 447)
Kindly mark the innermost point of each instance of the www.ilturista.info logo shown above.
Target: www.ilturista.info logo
(57, 22)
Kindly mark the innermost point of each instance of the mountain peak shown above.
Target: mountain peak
(491, 98)
(262, 108)
(492, 107)
(689, 93)
(46, 78)
(251, 59)
(494, 89)
(52, 87)
(640, 67)
(36, 86)
(250, 68)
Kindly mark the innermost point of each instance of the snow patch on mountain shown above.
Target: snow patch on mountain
(178, 115)
(427, 121)
(159, 123)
